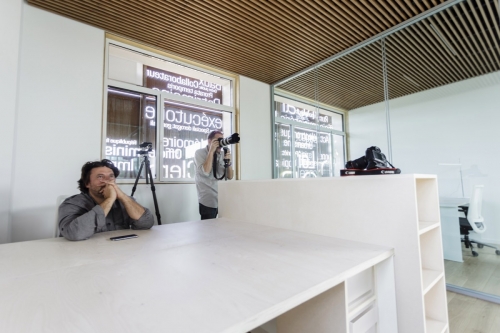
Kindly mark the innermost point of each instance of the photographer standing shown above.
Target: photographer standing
(206, 182)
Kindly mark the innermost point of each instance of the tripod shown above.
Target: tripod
(149, 174)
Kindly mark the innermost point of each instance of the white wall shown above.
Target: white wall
(10, 27)
(56, 125)
(58, 117)
(457, 122)
(255, 128)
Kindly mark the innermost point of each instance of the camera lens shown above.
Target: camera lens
(359, 163)
(235, 138)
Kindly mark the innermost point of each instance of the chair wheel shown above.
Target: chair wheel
(497, 252)
(480, 246)
(474, 254)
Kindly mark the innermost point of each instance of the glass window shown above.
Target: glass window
(330, 120)
(185, 130)
(325, 155)
(131, 120)
(145, 89)
(338, 154)
(305, 144)
(317, 144)
(284, 151)
(151, 72)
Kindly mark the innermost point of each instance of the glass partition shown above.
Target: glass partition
(336, 87)
(428, 95)
(443, 85)
(309, 135)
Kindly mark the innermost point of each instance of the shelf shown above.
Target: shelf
(434, 326)
(429, 279)
(423, 227)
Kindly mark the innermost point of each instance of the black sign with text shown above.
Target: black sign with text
(182, 85)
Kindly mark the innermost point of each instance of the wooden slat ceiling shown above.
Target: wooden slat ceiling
(417, 58)
(263, 40)
(271, 40)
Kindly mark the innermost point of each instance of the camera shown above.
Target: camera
(235, 138)
(373, 159)
(146, 148)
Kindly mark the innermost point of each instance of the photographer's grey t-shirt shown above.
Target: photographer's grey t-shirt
(206, 184)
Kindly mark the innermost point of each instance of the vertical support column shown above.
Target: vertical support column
(386, 99)
(273, 135)
(385, 286)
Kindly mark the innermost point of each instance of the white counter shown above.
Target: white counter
(205, 276)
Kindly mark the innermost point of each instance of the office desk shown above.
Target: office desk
(206, 276)
(450, 227)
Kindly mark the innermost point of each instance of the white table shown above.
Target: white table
(450, 227)
(205, 276)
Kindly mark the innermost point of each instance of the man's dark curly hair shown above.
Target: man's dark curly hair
(87, 168)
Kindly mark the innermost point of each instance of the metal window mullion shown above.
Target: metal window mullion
(386, 98)
(274, 137)
(345, 148)
(291, 122)
(332, 149)
(337, 132)
(171, 97)
(292, 149)
(104, 124)
(318, 132)
(132, 87)
(160, 120)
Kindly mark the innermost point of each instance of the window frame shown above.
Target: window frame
(293, 124)
(161, 98)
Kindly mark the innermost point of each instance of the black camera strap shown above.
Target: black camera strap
(215, 164)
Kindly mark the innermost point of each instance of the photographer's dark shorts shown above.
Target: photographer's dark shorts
(208, 212)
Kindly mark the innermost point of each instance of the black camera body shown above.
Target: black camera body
(146, 148)
(235, 138)
(373, 159)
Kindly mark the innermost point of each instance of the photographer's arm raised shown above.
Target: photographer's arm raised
(207, 165)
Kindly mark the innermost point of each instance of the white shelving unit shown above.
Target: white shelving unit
(351, 306)
(399, 211)
(431, 256)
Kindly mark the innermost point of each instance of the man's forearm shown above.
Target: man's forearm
(134, 210)
(76, 225)
(229, 173)
(106, 206)
(207, 165)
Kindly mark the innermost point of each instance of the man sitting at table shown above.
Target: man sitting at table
(101, 205)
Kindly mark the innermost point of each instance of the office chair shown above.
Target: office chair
(473, 220)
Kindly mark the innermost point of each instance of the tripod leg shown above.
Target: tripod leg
(153, 190)
(137, 178)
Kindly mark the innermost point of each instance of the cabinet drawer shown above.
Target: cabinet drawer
(360, 288)
(366, 322)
